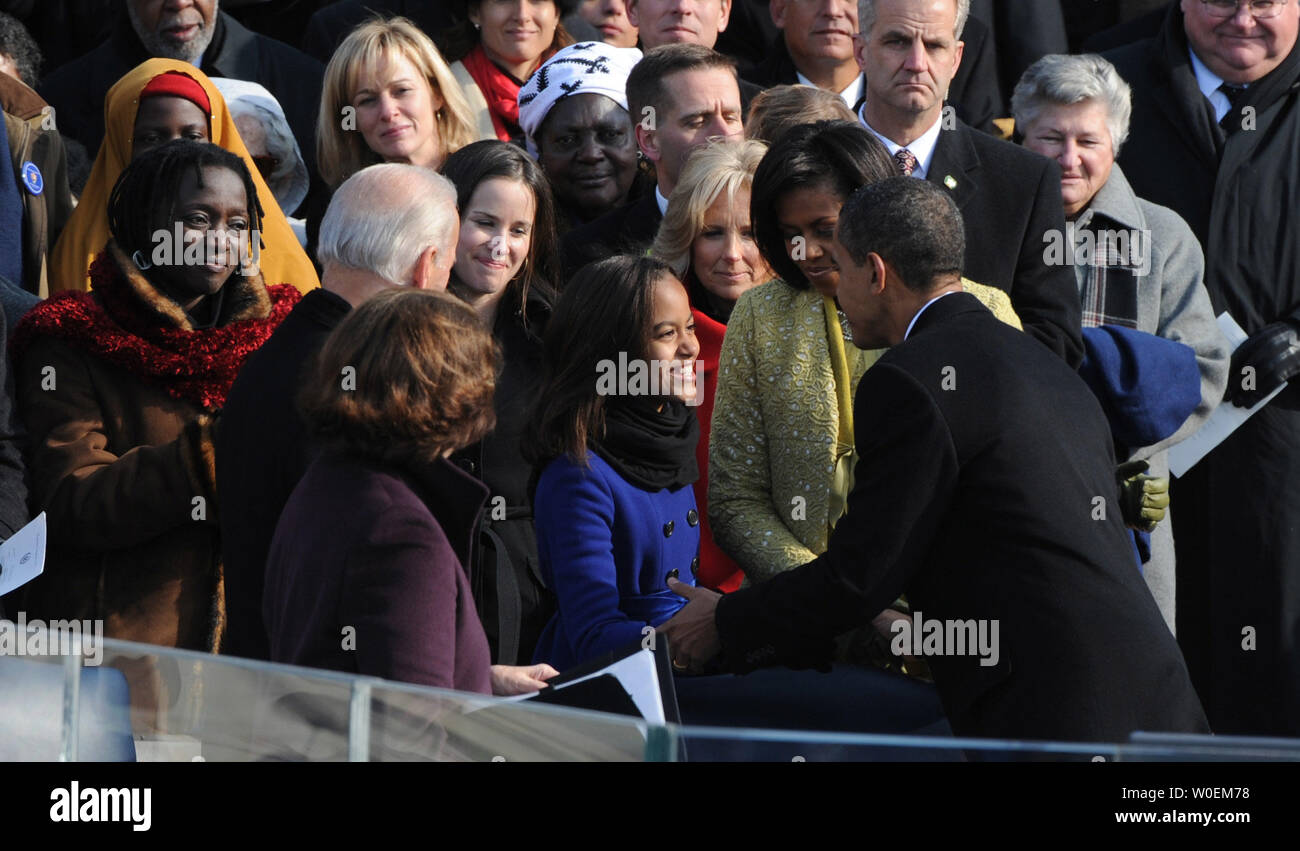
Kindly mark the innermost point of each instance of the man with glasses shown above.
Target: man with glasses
(1215, 135)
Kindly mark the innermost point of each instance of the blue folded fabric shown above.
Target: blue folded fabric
(1148, 386)
(1141, 547)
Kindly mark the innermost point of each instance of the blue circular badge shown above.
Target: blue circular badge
(32, 178)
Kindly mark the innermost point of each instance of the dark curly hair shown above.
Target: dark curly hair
(18, 45)
(144, 198)
(405, 378)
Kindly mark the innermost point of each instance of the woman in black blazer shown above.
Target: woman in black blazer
(505, 269)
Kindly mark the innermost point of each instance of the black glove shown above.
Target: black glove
(1142, 499)
(1261, 364)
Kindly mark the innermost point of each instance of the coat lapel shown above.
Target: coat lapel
(956, 165)
(1178, 96)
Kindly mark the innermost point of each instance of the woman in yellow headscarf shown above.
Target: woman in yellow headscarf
(156, 101)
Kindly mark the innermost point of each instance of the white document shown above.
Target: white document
(637, 675)
(1226, 418)
(22, 557)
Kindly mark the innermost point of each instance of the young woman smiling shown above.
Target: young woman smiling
(615, 513)
(505, 263)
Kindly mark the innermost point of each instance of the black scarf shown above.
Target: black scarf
(649, 448)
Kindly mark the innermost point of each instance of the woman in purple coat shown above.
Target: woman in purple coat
(366, 570)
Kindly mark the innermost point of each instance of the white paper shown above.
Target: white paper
(22, 557)
(1226, 418)
(639, 677)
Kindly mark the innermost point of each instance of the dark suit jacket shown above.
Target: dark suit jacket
(629, 229)
(77, 90)
(1010, 198)
(982, 465)
(1237, 506)
(262, 452)
(380, 550)
(1023, 31)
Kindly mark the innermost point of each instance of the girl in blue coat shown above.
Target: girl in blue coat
(613, 438)
(613, 442)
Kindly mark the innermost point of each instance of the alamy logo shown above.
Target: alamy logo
(242, 248)
(921, 637)
(134, 806)
(1129, 248)
(53, 638)
(637, 377)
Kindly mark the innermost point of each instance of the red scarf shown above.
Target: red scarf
(119, 322)
(500, 90)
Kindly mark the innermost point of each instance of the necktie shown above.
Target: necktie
(1232, 118)
(906, 162)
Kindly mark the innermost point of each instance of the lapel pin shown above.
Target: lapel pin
(950, 182)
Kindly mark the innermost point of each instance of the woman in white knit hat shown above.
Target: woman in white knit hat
(573, 112)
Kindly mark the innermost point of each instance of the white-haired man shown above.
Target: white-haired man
(388, 225)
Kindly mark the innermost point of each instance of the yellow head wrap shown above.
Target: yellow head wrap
(282, 260)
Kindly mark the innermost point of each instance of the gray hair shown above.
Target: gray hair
(867, 16)
(383, 217)
(1058, 80)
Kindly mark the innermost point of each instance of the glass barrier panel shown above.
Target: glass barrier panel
(128, 701)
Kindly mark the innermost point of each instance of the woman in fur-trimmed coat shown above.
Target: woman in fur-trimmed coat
(120, 389)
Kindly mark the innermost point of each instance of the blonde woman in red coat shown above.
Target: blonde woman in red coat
(707, 239)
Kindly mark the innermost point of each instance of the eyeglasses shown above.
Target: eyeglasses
(1259, 9)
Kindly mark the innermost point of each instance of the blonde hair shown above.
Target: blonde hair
(341, 153)
(775, 110)
(711, 170)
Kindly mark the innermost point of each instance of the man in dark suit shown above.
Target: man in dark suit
(985, 491)
(1023, 33)
(1010, 197)
(680, 96)
(1216, 138)
(371, 233)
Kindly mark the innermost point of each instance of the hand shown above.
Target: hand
(692, 634)
(1261, 364)
(509, 680)
(883, 624)
(1143, 498)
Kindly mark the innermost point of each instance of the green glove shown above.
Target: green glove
(1143, 498)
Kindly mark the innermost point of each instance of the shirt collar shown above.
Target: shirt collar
(850, 95)
(922, 147)
(912, 324)
(661, 201)
(1206, 80)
